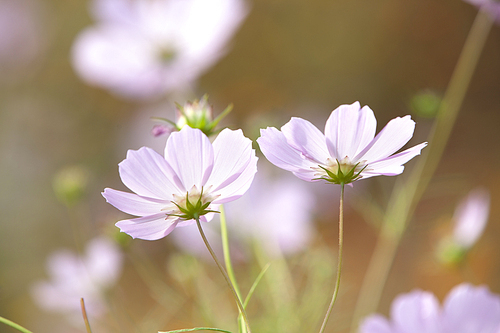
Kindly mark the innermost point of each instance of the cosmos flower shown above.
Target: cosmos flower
(73, 277)
(466, 309)
(348, 151)
(190, 182)
(145, 48)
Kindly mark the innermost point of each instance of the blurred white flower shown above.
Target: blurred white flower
(22, 37)
(470, 217)
(73, 277)
(145, 48)
(274, 213)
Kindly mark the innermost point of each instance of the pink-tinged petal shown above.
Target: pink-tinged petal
(151, 227)
(471, 217)
(277, 150)
(306, 138)
(349, 129)
(238, 187)
(392, 165)
(471, 309)
(191, 155)
(146, 173)
(393, 136)
(132, 203)
(232, 153)
(103, 261)
(416, 312)
(375, 324)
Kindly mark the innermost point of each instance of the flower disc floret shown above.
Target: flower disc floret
(189, 183)
(347, 151)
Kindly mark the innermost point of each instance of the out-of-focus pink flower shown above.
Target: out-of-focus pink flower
(466, 309)
(191, 181)
(73, 277)
(348, 150)
(491, 6)
(274, 213)
(145, 48)
(470, 218)
(159, 130)
(22, 37)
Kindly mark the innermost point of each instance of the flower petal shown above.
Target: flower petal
(471, 217)
(393, 136)
(151, 227)
(238, 187)
(191, 156)
(277, 150)
(232, 153)
(471, 309)
(393, 165)
(132, 203)
(375, 324)
(349, 129)
(416, 312)
(147, 173)
(307, 139)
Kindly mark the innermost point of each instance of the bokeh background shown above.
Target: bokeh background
(288, 58)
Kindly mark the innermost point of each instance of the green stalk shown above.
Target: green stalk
(407, 194)
(339, 263)
(226, 277)
(14, 325)
(85, 318)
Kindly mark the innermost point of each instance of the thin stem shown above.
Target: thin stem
(229, 266)
(84, 314)
(408, 193)
(197, 329)
(14, 325)
(236, 298)
(339, 262)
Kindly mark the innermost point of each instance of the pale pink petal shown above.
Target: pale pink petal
(349, 129)
(471, 217)
(134, 204)
(277, 150)
(148, 227)
(416, 312)
(375, 324)
(471, 309)
(392, 165)
(103, 261)
(306, 138)
(238, 187)
(191, 155)
(393, 136)
(232, 153)
(147, 173)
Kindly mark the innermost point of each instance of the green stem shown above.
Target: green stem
(408, 193)
(226, 277)
(197, 329)
(339, 262)
(229, 266)
(14, 325)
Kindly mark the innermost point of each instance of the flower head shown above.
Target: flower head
(470, 218)
(348, 151)
(466, 309)
(188, 183)
(145, 48)
(72, 278)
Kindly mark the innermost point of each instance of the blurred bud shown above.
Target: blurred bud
(425, 104)
(70, 183)
(196, 114)
(470, 218)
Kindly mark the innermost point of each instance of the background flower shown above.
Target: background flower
(145, 48)
(466, 309)
(73, 277)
